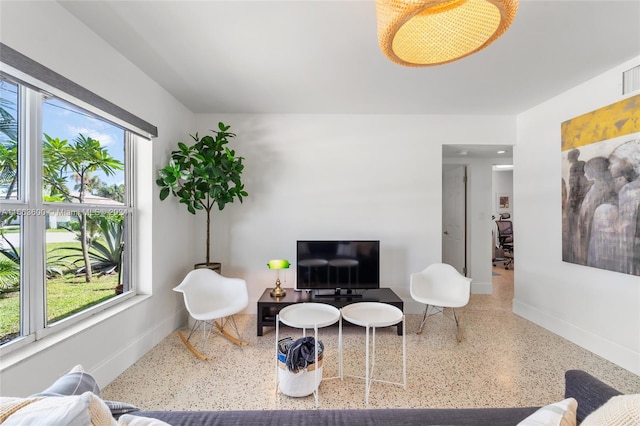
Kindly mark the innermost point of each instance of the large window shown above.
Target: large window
(66, 212)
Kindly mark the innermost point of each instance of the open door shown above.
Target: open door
(454, 216)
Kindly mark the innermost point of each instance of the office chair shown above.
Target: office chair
(209, 296)
(505, 240)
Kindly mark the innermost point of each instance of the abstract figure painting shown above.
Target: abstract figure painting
(601, 188)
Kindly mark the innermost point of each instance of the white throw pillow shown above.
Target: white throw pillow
(561, 413)
(9, 405)
(622, 410)
(76, 410)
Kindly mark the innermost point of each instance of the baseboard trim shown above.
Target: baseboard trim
(119, 361)
(611, 351)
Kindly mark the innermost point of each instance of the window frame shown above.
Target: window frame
(33, 321)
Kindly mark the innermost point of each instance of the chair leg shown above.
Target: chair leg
(458, 331)
(424, 319)
(237, 339)
(204, 335)
(440, 310)
(188, 344)
(196, 325)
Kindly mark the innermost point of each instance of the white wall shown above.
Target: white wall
(597, 309)
(45, 32)
(344, 177)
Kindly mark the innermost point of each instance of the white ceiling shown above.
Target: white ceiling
(322, 56)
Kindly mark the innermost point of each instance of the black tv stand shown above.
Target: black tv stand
(268, 307)
(337, 294)
(345, 296)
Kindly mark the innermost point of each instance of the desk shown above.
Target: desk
(268, 307)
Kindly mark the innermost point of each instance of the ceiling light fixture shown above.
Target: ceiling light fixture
(433, 32)
(502, 152)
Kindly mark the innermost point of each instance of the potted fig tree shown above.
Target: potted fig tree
(204, 175)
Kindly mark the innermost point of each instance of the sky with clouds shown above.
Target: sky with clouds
(65, 121)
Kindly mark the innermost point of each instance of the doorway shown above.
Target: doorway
(468, 205)
(502, 187)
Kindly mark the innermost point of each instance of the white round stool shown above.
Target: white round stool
(309, 315)
(372, 315)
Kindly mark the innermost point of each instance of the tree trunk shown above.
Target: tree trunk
(85, 247)
(208, 233)
(11, 186)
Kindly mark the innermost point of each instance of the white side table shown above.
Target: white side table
(372, 315)
(310, 315)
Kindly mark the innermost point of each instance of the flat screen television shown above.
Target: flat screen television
(344, 266)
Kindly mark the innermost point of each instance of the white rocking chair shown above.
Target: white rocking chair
(209, 296)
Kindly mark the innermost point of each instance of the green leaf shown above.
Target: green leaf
(164, 193)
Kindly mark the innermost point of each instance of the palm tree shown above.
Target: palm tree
(8, 148)
(10, 266)
(80, 158)
(91, 183)
(8, 123)
(107, 247)
(114, 192)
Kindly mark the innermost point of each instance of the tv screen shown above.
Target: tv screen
(345, 265)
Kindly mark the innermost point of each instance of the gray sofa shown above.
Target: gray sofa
(590, 393)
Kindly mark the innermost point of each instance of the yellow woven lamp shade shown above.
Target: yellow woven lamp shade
(434, 32)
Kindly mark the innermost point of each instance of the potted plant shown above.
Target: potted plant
(204, 175)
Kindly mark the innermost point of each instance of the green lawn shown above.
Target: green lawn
(66, 295)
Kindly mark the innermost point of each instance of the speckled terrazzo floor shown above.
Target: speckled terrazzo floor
(504, 360)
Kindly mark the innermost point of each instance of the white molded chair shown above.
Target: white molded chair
(440, 286)
(209, 296)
